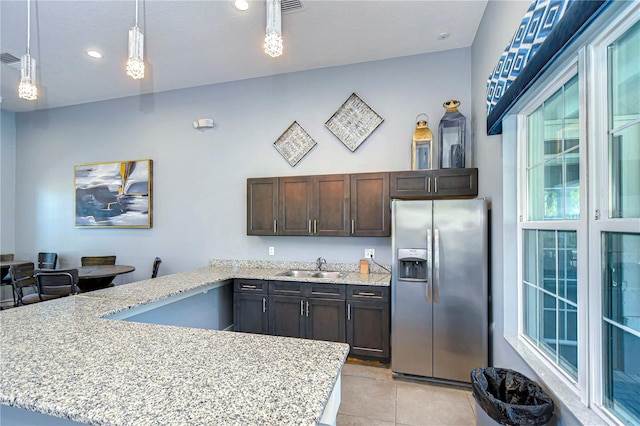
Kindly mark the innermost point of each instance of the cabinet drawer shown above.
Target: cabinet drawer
(365, 292)
(287, 288)
(328, 291)
(250, 286)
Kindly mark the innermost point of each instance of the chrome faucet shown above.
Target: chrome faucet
(319, 262)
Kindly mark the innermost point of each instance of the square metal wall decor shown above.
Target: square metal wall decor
(294, 143)
(114, 195)
(353, 122)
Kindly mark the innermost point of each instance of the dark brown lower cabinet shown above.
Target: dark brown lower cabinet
(355, 314)
(368, 322)
(286, 316)
(250, 306)
(325, 320)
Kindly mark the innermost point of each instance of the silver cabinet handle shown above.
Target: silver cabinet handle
(275, 227)
(348, 311)
(436, 268)
(307, 308)
(435, 184)
(264, 304)
(365, 293)
(309, 226)
(353, 226)
(248, 286)
(301, 308)
(428, 184)
(429, 266)
(315, 226)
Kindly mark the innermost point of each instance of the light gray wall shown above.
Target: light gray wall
(200, 176)
(7, 181)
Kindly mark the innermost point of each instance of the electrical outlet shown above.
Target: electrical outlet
(369, 253)
(272, 251)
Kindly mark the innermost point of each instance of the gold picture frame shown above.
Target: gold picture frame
(115, 194)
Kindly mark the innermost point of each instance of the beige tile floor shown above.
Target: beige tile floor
(371, 396)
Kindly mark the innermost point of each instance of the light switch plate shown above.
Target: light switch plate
(272, 251)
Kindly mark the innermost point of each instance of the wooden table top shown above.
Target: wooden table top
(7, 263)
(101, 271)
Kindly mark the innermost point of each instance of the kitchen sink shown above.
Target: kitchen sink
(297, 273)
(312, 274)
(329, 274)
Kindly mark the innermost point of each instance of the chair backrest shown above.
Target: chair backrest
(47, 260)
(22, 275)
(156, 265)
(97, 260)
(6, 257)
(62, 282)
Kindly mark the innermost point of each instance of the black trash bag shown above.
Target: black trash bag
(510, 398)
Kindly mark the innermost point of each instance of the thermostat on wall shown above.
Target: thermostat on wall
(203, 123)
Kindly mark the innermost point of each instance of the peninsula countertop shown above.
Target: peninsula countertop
(62, 358)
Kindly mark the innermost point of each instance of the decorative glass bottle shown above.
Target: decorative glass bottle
(451, 136)
(422, 146)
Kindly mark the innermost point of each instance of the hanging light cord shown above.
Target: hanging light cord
(136, 13)
(29, 26)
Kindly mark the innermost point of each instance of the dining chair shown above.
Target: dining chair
(97, 260)
(47, 260)
(156, 265)
(22, 276)
(5, 278)
(56, 284)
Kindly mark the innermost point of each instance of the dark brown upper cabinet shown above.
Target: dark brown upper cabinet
(262, 206)
(431, 184)
(314, 205)
(370, 207)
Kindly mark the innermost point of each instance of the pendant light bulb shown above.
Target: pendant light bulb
(27, 88)
(273, 37)
(135, 62)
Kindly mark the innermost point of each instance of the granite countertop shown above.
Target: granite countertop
(63, 359)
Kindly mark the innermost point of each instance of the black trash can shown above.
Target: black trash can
(509, 398)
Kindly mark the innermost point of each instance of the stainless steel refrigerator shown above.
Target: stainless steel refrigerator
(439, 289)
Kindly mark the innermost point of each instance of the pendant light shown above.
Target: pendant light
(273, 39)
(135, 63)
(27, 88)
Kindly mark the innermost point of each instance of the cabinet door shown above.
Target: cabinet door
(455, 182)
(331, 212)
(370, 207)
(287, 316)
(325, 319)
(368, 329)
(295, 205)
(262, 206)
(250, 313)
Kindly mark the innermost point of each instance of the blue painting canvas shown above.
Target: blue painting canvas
(114, 194)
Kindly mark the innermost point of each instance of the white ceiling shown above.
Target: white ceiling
(193, 43)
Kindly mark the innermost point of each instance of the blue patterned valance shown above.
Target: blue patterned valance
(546, 30)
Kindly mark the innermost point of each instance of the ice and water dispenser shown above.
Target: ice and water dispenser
(412, 264)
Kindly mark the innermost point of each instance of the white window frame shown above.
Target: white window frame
(575, 65)
(599, 197)
(589, 58)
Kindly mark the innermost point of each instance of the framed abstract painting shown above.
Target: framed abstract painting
(114, 195)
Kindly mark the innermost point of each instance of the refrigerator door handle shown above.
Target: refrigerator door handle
(436, 266)
(429, 266)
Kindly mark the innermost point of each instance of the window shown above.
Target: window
(579, 246)
(549, 250)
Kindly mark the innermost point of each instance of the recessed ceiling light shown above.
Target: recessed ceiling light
(241, 4)
(442, 36)
(94, 54)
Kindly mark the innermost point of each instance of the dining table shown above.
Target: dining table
(95, 277)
